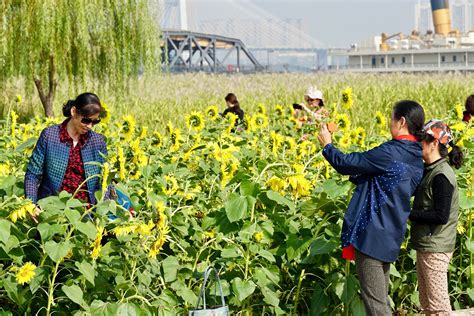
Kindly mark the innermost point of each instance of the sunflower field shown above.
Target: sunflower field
(260, 204)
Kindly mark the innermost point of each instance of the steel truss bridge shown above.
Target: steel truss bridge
(191, 51)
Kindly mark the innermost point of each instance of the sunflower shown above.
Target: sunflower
(458, 127)
(159, 243)
(96, 245)
(171, 185)
(276, 184)
(289, 143)
(143, 132)
(358, 136)
(128, 127)
(121, 160)
(195, 121)
(299, 184)
(258, 121)
(345, 140)
(26, 273)
(231, 121)
(305, 148)
(343, 121)
(105, 176)
(277, 141)
(258, 236)
(13, 117)
(261, 109)
(458, 111)
(228, 169)
(279, 111)
(20, 213)
(176, 139)
(105, 114)
(157, 139)
(347, 100)
(380, 120)
(169, 127)
(212, 112)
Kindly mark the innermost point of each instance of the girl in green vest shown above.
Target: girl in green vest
(434, 217)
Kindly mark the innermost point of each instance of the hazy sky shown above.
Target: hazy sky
(333, 22)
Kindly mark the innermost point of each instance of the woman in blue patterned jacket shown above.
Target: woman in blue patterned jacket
(61, 160)
(375, 221)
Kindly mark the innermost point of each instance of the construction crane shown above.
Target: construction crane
(384, 45)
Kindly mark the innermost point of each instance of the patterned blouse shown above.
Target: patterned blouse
(74, 175)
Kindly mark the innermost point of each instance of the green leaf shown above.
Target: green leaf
(334, 190)
(249, 188)
(267, 255)
(30, 142)
(4, 230)
(52, 204)
(236, 207)
(270, 297)
(47, 231)
(319, 302)
(394, 271)
(470, 292)
(129, 309)
(87, 270)
(74, 203)
(170, 268)
(72, 215)
(74, 293)
(41, 275)
(242, 289)
(87, 229)
(57, 251)
(468, 144)
(277, 197)
(357, 307)
(470, 245)
(186, 294)
(231, 251)
(350, 289)
(465, 202)
(99, 308)
(322, 246)
(296, 246)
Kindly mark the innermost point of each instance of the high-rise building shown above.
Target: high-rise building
(462, 18)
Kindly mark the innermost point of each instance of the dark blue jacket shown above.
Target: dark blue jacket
(47, 165)
(386, 178)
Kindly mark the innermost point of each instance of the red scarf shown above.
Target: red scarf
(410, 138)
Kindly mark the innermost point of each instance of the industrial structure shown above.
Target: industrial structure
(251, 38)
(444, 49)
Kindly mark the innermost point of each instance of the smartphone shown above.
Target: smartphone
(297, 106)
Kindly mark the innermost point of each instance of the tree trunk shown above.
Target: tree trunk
(47, 99)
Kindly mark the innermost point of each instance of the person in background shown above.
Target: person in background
(375, 221)
(434, 217)
(469, 112)
(312, 110)
(61, 158)
(233, 106)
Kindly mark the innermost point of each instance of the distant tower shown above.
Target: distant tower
(174, 14)
(423, 17)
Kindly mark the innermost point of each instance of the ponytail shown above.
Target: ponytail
(67, 108)
(456, 157)
(86, 104)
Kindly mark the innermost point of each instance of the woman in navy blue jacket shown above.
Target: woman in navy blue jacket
(375, 221)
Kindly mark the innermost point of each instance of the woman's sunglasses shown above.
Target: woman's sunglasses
(88, 120)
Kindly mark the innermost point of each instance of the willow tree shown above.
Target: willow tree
(48, 42)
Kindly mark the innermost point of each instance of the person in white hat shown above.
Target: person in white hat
(312, 110)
